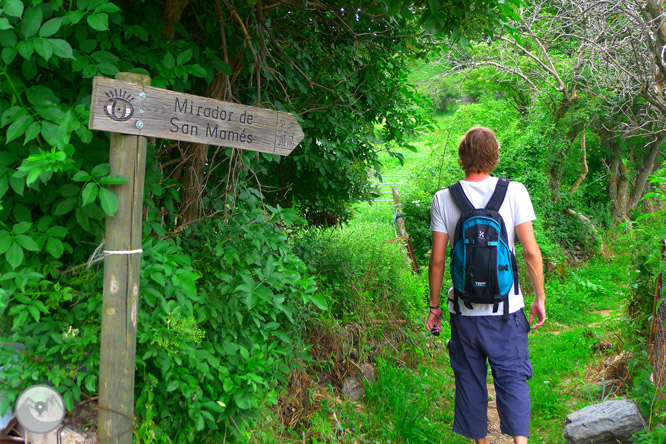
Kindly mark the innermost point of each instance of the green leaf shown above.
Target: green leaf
(17, 184)
(26, 48)
(184, 57)
(43, 48)
(251, 300)
(34, 312)
(4, 186)
(8, 55)
(11, 114)
(89, 193)
(168, 61)
(13, 8)
(173, 385)
(108, 68)
(242, 401)
(197, 70)
(107, 7)
(113, 179)
(98, 22)
(105, 57)
(65, 206)
(50, 27)
(61, 48)
(82, 218)
(14, 255)
(101, 170)
(81, 176)
(27, 242)
(32, 132)
(91, 383)
(57, 231)
(41, 95)
(5, 241)
(18, 128)
(319, 301)
(69, 401)
(109, 201)
(221, 67)
(4, 24)
(53, 113)
(21, 227)
(54, 247)
(34, 174)
(20, 319)
(31, 22)
(75, 16)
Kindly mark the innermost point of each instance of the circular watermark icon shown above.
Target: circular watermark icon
(40, 409)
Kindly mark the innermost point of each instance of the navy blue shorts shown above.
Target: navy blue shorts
(476, 340)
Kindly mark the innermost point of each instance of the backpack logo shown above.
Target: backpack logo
(482, 235)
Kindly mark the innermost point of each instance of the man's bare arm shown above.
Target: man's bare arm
(436, 267)
(534, 261)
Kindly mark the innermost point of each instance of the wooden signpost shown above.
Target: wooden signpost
(132, 110)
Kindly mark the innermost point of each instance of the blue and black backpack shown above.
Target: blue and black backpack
(483, 268)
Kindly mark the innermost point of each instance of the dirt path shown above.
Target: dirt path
(494, 434)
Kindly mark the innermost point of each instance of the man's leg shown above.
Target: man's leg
(471, 370)
(511, 368)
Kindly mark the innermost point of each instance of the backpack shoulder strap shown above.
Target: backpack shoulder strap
(497, 198)
(458, 195)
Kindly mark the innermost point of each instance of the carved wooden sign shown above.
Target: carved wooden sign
(128, 108)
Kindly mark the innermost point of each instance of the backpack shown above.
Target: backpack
(483, 268)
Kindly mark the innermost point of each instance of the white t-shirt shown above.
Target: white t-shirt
(515, 210)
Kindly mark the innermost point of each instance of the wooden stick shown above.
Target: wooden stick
(122, 267)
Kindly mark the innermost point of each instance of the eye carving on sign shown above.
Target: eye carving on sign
(118, 107)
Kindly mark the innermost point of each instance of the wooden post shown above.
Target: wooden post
(400, 228)
(122, 268)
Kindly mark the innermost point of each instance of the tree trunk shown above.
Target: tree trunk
(583, 162)
(650, 165)
(196, 157)
(171, 13)
(618, 182)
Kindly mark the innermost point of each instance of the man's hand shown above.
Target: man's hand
(434, 320)
(538, 309)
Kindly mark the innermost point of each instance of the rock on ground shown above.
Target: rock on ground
(607, 423)
(353, 389)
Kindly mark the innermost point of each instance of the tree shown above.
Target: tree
(591, 62)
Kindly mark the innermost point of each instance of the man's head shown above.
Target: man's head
(478, 151)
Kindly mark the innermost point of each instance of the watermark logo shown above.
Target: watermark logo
(119, 106)
(40, 409)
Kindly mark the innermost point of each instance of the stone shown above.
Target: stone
(353, 389)
(611, 422)
(324, 380)
(368, 372)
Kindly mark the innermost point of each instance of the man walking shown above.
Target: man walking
(487, 333)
